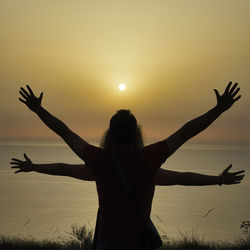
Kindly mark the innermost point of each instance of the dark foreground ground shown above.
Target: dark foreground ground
(21, 244)
(81, 239)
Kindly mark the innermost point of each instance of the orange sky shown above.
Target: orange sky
(171, 55)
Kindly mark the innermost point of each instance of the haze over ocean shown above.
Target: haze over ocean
(43, 206)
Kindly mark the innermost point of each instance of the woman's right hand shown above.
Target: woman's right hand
(23, 166)
(229, 178)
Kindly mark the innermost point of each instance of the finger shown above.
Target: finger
(22, 100)
(238, 179)
(18, 171)
(227, 169)
(239, 176)
(25, 92)
(41, 96)
(235, 92)
(15, 167)
(237, 182)
(23, 95)
(14, 159)
(238, 172)
(15, 163)
(30, 90)
(233, 88)
(26, 157)
(237, 98)
(228, 87)
(217, 93)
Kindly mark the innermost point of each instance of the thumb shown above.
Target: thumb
(41, 96)
(26, 157)
(217, 93)
(227, 169)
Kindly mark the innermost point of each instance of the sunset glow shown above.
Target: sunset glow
(172, 54)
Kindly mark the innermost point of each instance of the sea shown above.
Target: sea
(40, 206)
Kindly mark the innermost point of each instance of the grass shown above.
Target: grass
(190, 243)
(80, 238)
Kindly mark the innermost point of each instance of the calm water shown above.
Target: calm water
(43, 206)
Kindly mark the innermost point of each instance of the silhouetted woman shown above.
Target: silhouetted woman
(120, 226)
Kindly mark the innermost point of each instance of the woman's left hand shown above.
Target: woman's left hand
(28, 98)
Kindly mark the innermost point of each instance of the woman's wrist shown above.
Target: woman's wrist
(33, 167)
(37, 109)
(219, 109)
(220, 180)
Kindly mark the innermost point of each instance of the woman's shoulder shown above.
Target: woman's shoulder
(156, 152)
(156, 146)
(92, 151)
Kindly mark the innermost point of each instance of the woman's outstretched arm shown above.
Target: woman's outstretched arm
(164, 177)
(195, 126)
(79, 171)
(169, 177)
(76, 143)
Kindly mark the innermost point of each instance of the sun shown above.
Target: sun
(122, 86)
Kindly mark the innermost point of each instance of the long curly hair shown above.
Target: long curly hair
(123, 129)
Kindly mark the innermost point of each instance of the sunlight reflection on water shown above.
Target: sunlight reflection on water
(43, 206)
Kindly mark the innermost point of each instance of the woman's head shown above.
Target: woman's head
(123, 130)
